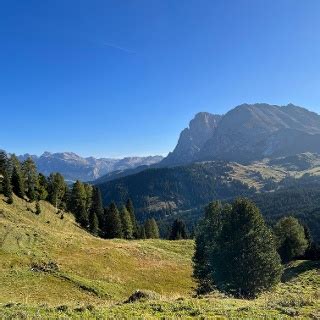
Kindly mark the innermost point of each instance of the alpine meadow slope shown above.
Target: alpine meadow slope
(51, 268)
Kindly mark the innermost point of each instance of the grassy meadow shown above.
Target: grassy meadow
(50, 268)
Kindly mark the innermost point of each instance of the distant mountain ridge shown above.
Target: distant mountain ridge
(246, 133)
(74, 167)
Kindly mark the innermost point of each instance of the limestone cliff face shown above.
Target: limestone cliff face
(193, 138)
(246, 133)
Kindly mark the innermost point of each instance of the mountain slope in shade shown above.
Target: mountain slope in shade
(246, 133)
(73, 166)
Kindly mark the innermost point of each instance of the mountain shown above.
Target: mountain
(193, 138)
(246, 133)
(74, 167)
(183, 191)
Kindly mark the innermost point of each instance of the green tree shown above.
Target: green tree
(113, 227)
(78, 203)
(290, 238)
(151, 229)
(57, 189)
(7, 188)
(3, 162)
(93, 222)
(42, 187)
(127, 227)
(30, 176)
(245, 262)
(206, 244)
(141, 232)
(17, 177)
(178, 230)
(96, 206)
(130, 208)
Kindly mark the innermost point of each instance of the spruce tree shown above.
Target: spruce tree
(7, 188)
(113, 227)
(57, 189)
(97, 207)
(207, 233)
(3, 162)
(127, 227)
(151, 229)
(17, 181)
(93, 222)
(78, 203)
(30, 176)
(42, 187)
(245, 262)
(291, 238)
(178, 230)
(130, 208)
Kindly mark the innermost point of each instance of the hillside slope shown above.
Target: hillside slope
(51, 269)
(46, 258)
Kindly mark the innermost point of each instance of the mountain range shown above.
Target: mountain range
(247, 133)
(252, 150)
(74, 167)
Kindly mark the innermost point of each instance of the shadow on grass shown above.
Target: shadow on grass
(293, 270)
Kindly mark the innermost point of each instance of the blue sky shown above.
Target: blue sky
(124, 77)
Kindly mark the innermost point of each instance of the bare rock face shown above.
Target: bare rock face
(246, 133)
(193, 138)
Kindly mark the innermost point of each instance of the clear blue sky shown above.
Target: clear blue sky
(124, 77)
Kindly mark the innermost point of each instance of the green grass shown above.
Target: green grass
(51, 268)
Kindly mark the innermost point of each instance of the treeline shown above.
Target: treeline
(83, 200)
(237, 253)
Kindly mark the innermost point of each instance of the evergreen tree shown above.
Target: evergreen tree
(7, 189)
(151, 229)
(130, 208)
(30, 176)
(113, 227)
(42, 187)
(3, 162)
(97, 207)
(291, 238)
(16, 177)
(141, 232)
(57, 189)
(78, 203)
(206, 244)
(178, 230)
(127, 227)
(245, 262)
(93, 222)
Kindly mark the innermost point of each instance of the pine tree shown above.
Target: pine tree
(42, 187)
(3, 163)
(127, 228)
(93, 222)
(30, 176)
(78, 203)
(57, 189)
(141, 232)
(291, 238)
(245, 262)
(113, 227)
(207, 233)
(16, 177)
(7, 188)
(178, 230)
(151, 229)
(130, 208)
(97, 207)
